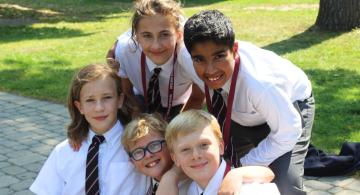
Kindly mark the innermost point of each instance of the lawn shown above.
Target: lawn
(49, 40)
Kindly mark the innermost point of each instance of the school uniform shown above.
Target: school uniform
(152, 184)
(64, 170)
(272, 115)
(129, 56)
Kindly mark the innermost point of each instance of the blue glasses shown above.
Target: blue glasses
(153, 147)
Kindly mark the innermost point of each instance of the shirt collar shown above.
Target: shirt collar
(110, 136)
(165, 68)
(214, 184)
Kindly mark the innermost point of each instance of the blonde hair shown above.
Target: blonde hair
(188, 122)
(78, 128)
(142, 126)
(144, 8)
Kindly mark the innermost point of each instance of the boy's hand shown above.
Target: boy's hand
(249, 174)
(75, 146)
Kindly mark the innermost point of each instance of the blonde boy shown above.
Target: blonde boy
(144, 141)
(195, 143)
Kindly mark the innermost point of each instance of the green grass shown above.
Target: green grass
(39, 58)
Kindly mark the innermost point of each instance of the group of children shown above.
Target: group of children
(163, 66)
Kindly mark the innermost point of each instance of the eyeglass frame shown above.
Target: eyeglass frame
(146, 148)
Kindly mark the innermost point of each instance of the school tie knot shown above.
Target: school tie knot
(97, 140)
(157, 71)
(218, 91)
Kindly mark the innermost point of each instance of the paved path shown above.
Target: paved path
(30, 128)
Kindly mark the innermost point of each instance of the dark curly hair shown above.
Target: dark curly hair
(208, 25)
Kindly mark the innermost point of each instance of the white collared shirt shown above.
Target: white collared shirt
(267, 85)
(130, 67)
(64, 170)
(214, 184)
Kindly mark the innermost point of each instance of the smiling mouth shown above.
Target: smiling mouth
(198, 166)
(158, 53)
(214, 79)
(100, 118)
(152, 164)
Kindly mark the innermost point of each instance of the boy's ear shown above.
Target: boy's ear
(121, 100)
(180, 36)
(78, 106)
(235, 48)
(221, 147)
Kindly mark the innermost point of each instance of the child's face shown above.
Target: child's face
(158, 36)
(198, 154)
(153, 165)
(213, 63)
(99, 103)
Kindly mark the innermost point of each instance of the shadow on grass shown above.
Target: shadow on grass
(46, 80)
(337, 106)
(67, 10)
(18, 33)
(310, 37)
(52, 11)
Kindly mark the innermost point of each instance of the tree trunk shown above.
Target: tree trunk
(338, 14)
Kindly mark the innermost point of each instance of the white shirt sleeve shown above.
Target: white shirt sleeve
(122, 46)
(284, 122)
(48, 180)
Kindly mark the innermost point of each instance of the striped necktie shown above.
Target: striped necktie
(219, 111)
(155, 188)
(153, 92)
(219, 107)
(92, 170)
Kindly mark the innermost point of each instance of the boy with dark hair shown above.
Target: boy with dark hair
(269, 112)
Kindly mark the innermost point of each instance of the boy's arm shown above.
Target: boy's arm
(233, 180)
(169, 182)
(196, 100)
